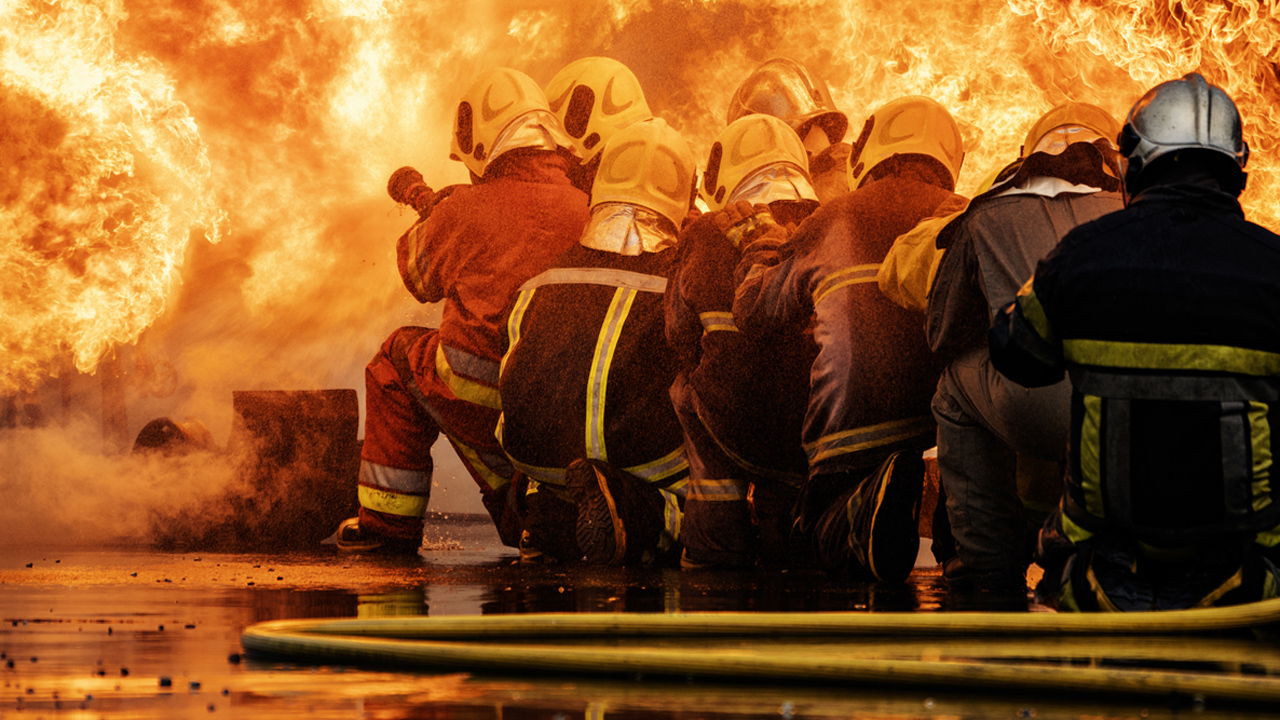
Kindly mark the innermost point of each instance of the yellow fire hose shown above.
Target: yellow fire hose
(1040, 651)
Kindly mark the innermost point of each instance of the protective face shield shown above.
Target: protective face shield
(785, 89)
(595, 97)
(1069, 123)
(912, 125)
(756, 157)
(503, 110)
(647, 164)
(1182, 114)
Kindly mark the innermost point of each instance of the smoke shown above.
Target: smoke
(60, 490)
(281, 254)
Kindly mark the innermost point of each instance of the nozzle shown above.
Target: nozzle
(407, 187)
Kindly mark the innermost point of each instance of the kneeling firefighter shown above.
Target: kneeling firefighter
(868, 418)
(741, 399)
(585, 410)
(1167, 315)
(471, 252)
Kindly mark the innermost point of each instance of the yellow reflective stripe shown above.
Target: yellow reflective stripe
(1270, 587)
(412, 275)
(554, 476)
(1074, 532)
(1160, 356)
(841, 278)
(598, 381)
(514, 321)
(1231, 583)
(391, 503)
(679, 488)
(672, 463)
(1104, 602)
(1034, 313)
(867, 436)
(491, 478)
(464, 388)
(713, 321)
(1091, 455)
(708, 490)
(1067, 598)
(672, 519)
(1268, 538)
(1260, 434)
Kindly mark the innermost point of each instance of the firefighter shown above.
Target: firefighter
(1001, 446)
(868, 419)
(741, 401)
(595, 97)
(785, 89)
(1167, 315)
(471, 252)
(586, 413)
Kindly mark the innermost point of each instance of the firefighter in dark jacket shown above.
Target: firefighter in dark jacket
(868, 418)
(1001, 446)
(741, 400)
(785, 89)
(1166, 315)
(586, 411)
(474, 249)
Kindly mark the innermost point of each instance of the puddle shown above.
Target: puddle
(130, 633)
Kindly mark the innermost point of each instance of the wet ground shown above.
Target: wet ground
(132, 633)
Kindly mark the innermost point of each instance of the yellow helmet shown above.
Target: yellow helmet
(912, 125)
(493, 103)
(1067, 123)
(747, 145)
(647, 164)
(595, 97)
(785, 89)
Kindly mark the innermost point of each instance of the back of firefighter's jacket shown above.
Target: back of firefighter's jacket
(1167, 315)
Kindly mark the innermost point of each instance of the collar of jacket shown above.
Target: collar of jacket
(1080, 164)
(627, 229)
(1194, 196)
(529, 165)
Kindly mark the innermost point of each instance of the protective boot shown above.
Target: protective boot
(873, 529)
(619, 517)
(549, 517)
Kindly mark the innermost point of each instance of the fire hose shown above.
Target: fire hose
(982, 650)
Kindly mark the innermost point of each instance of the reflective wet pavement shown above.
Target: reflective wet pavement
(128, 633)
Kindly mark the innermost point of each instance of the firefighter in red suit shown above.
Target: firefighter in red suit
(472, 252)
(868, 419)
(741, 400)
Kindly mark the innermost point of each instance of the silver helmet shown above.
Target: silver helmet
(1187, 113)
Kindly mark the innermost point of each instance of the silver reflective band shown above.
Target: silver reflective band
(626, 229)
(397, 479)
(598, 276)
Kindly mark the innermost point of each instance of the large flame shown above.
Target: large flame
(305, 108)
(105, 178)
